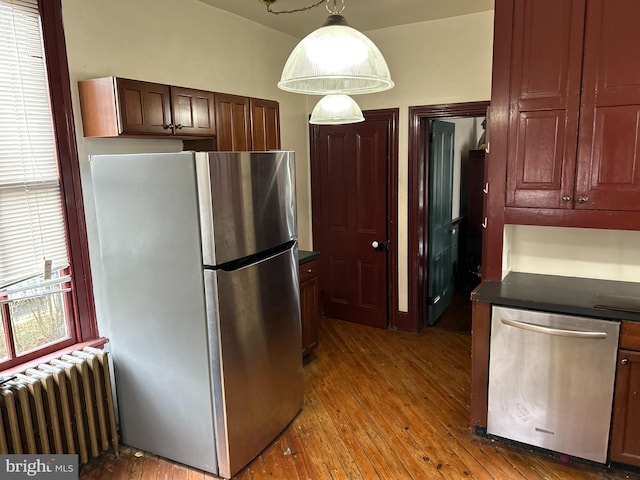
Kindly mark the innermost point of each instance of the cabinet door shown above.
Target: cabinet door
(309, 301)
(608, 172)
(625, 429)
(546, 62)
(265, 124)
(233, 123)
(193, 112)
(144, 107)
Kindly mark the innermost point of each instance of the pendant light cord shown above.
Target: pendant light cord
(278, 12)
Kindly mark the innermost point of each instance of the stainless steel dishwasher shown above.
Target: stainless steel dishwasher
(551, 380)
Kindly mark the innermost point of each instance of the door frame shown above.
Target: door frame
(390, 116)
(418, 202)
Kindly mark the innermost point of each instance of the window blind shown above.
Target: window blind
(31, 220)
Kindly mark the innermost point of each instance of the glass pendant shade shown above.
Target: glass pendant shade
(336, 110)
(335, 59)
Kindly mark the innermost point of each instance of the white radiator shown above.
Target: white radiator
(63, 406)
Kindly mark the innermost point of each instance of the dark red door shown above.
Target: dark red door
(353, 204)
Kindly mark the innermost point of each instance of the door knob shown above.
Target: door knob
(380, 246)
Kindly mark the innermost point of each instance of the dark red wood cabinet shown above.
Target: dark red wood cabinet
(625, 426)
(193, 112)
(309, 304)
(233, 119)
(121, 107)
(113, 106)
(574, 107)
(265, 124)
(145, 107)
(246, 123)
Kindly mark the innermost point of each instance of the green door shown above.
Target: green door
(439, 251)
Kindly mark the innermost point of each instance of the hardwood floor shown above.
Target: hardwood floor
(379, 404)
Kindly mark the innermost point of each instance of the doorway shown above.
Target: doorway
(354, 204)
(420, 119)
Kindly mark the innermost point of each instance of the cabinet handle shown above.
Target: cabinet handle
(310, 270)
(485, 189)
(583, 199)
(484, 222)
(566, 198)
(488, 149)
(179, 126)
(624, 361)
(168, 126)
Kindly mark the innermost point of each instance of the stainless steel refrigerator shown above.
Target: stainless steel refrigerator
(197, 290)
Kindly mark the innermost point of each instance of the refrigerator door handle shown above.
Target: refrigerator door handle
(553, 331)
(252, 259)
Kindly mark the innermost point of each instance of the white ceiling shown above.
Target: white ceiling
(361, 14)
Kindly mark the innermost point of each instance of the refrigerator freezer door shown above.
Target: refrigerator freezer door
(247, 203)
(257, 312)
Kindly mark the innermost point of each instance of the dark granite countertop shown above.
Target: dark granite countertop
(608, 299)
(305, 256)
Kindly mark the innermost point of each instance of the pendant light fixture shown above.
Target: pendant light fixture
(336, 110)
(335, 59)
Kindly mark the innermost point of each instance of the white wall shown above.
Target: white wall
(435, 62)
(449, 61)
(188, 43)
(573, 252)
(466, 138)
(184, 43)
(191, 44)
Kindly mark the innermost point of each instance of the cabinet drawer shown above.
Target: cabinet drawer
(309, 270)
(630, 336)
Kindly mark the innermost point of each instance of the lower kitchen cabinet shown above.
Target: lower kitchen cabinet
(625, 427)
(616, 301)
(309, 302)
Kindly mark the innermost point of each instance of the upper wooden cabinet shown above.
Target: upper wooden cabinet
(265, 124)
(608, 173)
(233, 119)
(114, 107)
(247, 123)
(574, 105)
(193, 112)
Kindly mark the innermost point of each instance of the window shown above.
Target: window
(45, 289)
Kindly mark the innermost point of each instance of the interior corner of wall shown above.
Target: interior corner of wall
(507, 242)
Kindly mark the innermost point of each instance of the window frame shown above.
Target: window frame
(82, 307)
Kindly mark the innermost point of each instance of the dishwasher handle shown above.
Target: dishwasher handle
(553, 331)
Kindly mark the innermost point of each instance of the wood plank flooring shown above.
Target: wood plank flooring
(379, 404)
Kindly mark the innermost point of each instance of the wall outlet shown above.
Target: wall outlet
(508, 259)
